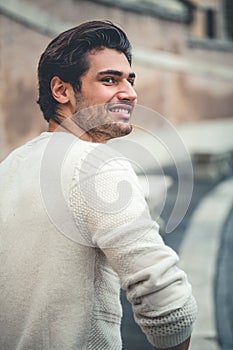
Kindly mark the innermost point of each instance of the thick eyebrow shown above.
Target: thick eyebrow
(115, 72)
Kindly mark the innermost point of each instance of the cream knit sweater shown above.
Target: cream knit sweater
(74, 227)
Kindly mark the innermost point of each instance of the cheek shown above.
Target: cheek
(102, 95)
(96, 95)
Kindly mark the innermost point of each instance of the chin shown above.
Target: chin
(120, 129)
(110, 131)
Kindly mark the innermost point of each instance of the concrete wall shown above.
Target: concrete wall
(180, 93)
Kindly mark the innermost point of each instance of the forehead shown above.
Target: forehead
(108, 59)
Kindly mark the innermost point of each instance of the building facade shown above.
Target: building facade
(183, 54)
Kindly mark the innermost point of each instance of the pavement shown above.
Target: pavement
(199, 255)
(204, 236)
(210, 144)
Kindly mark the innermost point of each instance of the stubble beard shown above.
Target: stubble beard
(98, 122)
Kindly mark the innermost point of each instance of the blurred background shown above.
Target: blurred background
(183, 57)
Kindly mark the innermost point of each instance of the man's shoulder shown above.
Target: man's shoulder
(93, 153)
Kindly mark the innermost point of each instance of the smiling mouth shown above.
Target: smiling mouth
(123, 109)
(120, 110)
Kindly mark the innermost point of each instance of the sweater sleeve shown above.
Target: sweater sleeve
(109, 208)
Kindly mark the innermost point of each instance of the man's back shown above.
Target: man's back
(49, 297)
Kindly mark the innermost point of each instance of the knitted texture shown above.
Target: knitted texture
(123, 230)
(74, 227)
(160, 330)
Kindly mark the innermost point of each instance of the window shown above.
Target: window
(228, 7)
(210, 24)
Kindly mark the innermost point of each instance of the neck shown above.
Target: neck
(71, 127)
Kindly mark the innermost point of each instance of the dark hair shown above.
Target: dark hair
(66, 57)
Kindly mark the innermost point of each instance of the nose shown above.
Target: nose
(127, 92)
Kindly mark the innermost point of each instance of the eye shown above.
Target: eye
(109, 80)
(131, 81)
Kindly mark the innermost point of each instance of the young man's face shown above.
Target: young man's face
(107, 97)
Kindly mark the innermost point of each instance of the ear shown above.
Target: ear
(60, 90)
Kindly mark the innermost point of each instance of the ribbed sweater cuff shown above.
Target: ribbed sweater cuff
(168, 341)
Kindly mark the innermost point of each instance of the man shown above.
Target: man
(74, 224)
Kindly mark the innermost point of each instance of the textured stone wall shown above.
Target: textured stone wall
(180, 97)
(20, 117)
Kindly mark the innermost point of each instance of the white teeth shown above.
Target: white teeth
(120, 110)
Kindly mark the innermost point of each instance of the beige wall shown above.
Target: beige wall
(19, 114)
(198, 25)
(180, 97)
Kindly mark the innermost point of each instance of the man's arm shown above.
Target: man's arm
(183, 346)
(119, 223)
